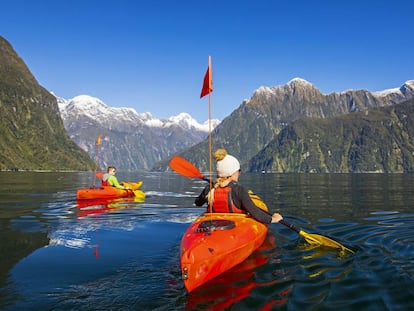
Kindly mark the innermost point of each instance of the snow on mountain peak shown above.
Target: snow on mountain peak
(267, 91)
(397, 90)
(299, 81)
(183, 117)
(97, 110)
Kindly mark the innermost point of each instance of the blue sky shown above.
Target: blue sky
(152, 55)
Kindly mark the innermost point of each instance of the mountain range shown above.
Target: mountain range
(130, 140)
(286, 128)
(254, 130)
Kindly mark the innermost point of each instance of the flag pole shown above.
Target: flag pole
(210, 139)
(206, 90)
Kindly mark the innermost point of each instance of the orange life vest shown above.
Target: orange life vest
(223, 202)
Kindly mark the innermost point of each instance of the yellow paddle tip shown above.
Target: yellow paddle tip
(319, 240)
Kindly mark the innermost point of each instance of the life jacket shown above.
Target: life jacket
(223, 202)
(105, 178)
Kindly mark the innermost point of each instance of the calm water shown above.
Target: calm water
(125, 256)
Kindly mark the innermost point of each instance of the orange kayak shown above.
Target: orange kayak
(215, 243)
(109, 192)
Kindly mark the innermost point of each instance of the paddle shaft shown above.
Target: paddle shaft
(290, 226)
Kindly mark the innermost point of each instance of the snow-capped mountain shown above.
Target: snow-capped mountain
(298, 84)
(406, 90)
(130, 140)
(106, 116)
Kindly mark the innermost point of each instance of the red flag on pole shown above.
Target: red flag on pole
(208, 81)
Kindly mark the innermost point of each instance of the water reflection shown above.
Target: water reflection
(98, 206)
(237, 284)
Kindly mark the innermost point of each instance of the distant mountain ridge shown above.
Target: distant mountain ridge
(131, 140)
(259, 120)
(107, 116)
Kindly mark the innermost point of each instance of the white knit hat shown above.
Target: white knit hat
(227, 166)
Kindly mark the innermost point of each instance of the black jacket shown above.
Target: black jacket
(241, 199)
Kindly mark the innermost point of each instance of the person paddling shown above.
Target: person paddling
(109, 179)
(227, 195)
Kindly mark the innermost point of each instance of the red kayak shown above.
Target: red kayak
(109, 192)
(216, 242)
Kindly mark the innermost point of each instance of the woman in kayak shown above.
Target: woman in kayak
(227, 196)
(109, 179)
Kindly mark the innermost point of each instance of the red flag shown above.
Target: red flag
(208, 81)
(98, 141)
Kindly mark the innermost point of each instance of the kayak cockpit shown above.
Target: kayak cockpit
(214, 225)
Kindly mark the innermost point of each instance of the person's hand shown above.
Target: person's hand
(276, 217)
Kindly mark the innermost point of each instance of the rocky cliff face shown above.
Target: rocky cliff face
(380, 140)
(32, 135)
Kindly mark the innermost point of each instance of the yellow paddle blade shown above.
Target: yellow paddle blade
(317, 239)
(132, 185)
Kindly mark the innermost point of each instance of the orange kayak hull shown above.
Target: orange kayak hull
(215, 243)
(108, 192)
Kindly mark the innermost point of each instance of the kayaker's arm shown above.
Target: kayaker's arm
(202, 198)
(113, 181)
(247, 204)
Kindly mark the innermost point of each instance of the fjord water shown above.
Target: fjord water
(125, 255)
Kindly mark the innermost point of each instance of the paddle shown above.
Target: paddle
(316, 239)
(187, 169)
